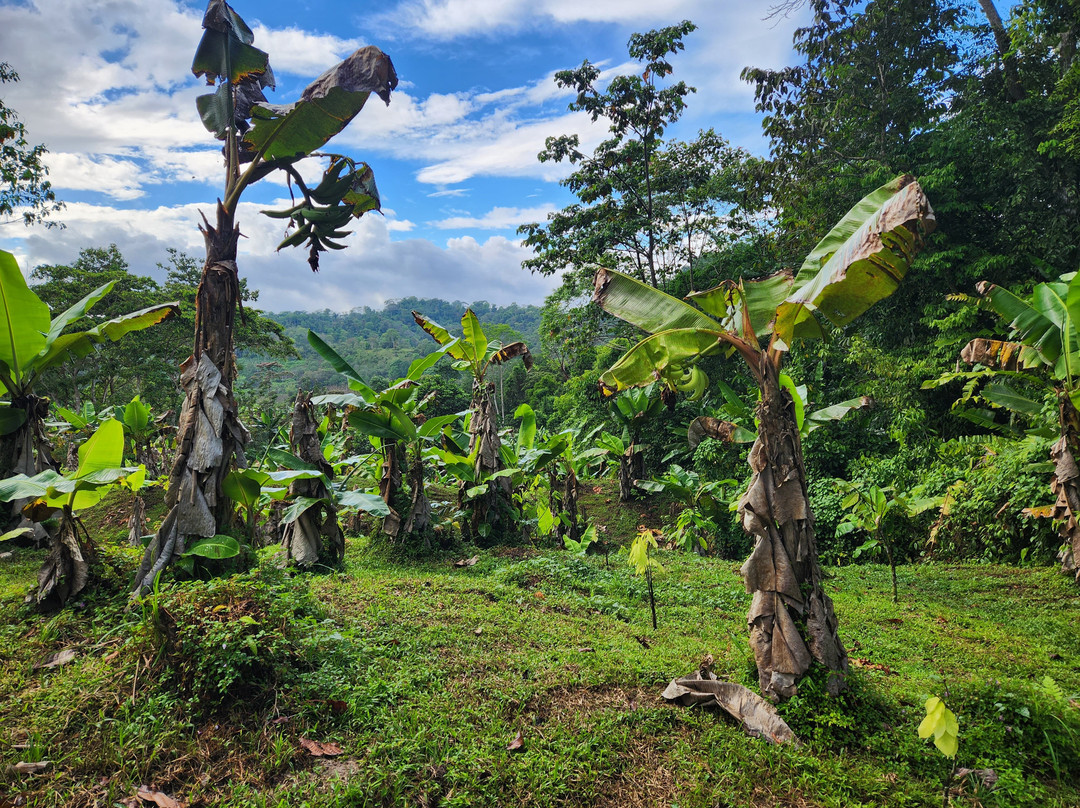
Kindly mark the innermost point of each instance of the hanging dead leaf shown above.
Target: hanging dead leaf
(467, 562)
(57, 659)
(316, 749)
(517, 744)
(159, 799)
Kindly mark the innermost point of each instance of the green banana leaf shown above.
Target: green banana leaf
(293, 131)
(645, 307)
(858, 263)
(654, 356)
(24, 319)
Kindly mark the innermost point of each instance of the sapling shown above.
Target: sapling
(643, 562)
(941, 722)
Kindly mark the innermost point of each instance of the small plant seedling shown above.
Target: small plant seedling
(941, 723)
(643, 562)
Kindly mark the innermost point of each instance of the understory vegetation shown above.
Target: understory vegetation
(798, 431)
(422, 674)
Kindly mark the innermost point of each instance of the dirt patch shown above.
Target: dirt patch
(515, 553)
(566, 704)
(647, 778)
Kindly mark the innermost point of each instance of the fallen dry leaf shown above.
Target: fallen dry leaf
(31, 768)
(316, 749)
(337, 707)
(518, 744)
(158, 798)
(467, 562)
(57, 659)
(478, 631)
(873, 666)
(597, 489)
(586, 650)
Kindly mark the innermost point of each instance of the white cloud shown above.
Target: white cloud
(374, 268)
(496, 219)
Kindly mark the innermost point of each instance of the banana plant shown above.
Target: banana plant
(631, 410)
(32, 342)
(394, 422)
(860, 261)
(1042, 351)
(473, 353)
(259, 139)
(66, 570)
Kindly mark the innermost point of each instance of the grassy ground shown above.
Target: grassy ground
(422, 674)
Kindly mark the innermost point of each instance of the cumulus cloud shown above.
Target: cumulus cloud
(375, 267)
(496, 219)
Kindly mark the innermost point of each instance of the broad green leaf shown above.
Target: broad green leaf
(76, 346)
(377, 423)
(299, 506)
(835, 412)
(241, 488)
(759, 297)
(645, 307)
(216, 547)
(73, 418)
(796, 397)
(24, 319)
(527, 430)
(1004, 395)
(400, 421)
(476, 342)
(136, 416)
(371, 503)
(216, 110)
(78, 311)
(288, 460)
(22, 487)
(452, 344)
(103, 450)
(654, 356)
(11, 418)
(433, 426)
(340, 365)
(419, 366)
(861, 261)
(325, 108)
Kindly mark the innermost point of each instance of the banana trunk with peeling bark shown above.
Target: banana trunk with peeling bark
(66, 569)
(209, 434)
(791, 620)
(1066, 486)
(314, 535)
(490, 507)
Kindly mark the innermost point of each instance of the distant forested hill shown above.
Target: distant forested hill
(379, 343)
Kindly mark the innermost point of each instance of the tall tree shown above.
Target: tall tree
(25, 191)
(629, 189)
(259, 139)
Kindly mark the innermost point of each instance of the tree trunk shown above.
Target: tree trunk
(209, 434)
(419, 519)
(390, 486)
(1066, 485)
(136, 522)
(488, 508)
(631, 468)
(1004, 46)
(26, 451)
(791, 618)
(570, 505)
(315, 534)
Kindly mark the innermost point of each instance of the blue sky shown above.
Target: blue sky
(106, 85)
